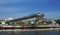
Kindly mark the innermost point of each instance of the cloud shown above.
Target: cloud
(20, 1)
(9, 9)
(13, 10)
(8, 1)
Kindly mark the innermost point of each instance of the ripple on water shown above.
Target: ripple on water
(53, 32)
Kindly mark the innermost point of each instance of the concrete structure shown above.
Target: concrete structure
(36, 15)
(39, 20)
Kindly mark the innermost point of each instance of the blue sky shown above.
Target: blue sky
(19, 8)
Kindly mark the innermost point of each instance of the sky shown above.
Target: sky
(19, 8)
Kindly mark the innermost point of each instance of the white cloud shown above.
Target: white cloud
(7, 1)
(20, 1)
(13, 1)
(13, 10)
(8, 9)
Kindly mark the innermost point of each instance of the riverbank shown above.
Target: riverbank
(9, 30)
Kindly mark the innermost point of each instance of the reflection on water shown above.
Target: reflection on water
(54, 32)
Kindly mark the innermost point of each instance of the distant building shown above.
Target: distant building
(3, 20)
(8, 19)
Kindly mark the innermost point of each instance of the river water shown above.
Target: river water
(53, 32)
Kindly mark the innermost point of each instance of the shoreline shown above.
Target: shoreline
(16, 30)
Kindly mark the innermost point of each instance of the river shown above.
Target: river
(51, 32)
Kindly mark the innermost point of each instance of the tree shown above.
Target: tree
(58, 21)
(19, 23)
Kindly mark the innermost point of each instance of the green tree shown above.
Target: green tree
(58, 21)
(19, 23)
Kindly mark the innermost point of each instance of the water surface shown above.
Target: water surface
(53, 32)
